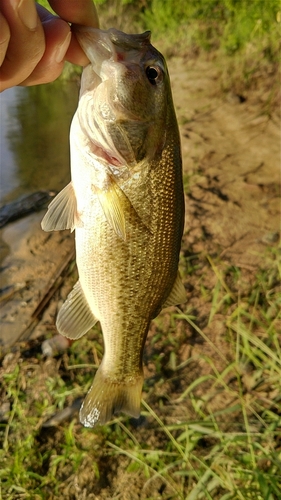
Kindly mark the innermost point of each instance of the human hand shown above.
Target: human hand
(34, 43)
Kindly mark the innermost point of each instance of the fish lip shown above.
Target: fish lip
(96, 52)
(100, 45)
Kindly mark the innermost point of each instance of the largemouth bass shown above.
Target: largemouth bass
(125, 202)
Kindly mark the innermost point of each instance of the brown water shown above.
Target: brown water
(34, 132)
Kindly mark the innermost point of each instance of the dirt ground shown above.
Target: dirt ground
(231, 168)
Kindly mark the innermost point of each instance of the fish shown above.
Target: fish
(125, 202)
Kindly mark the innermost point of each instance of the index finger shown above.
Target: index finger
(76, 11)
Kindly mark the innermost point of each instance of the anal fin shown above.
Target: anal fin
(177, 294)
(62, 211)
(75, 317)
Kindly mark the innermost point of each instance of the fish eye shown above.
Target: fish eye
(153, 74)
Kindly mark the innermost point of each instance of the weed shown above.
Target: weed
(218, 436)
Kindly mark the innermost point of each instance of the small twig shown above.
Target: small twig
(48, 293)
(53, 285)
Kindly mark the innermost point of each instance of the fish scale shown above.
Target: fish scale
(126, 205)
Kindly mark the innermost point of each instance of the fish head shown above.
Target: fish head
(124, 97)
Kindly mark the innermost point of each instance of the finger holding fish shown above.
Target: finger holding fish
(34, 43)
(24, 34)
(57, 36)
(81, 12)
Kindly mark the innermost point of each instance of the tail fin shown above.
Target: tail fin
(108, 396)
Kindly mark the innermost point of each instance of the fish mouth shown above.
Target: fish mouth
(100, 45)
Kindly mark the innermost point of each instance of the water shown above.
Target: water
(34, 138)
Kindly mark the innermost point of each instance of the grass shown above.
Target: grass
(210, 425)
(208, 23)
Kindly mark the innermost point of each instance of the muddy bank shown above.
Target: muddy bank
(231, 162)
(32, 262)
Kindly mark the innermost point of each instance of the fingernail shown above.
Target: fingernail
(28, 14)
(61, 49)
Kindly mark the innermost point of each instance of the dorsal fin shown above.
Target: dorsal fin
(177, 294)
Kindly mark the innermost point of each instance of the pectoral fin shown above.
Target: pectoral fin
(62, 211)
(113, 202)
(75, 317)
(177, 294)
